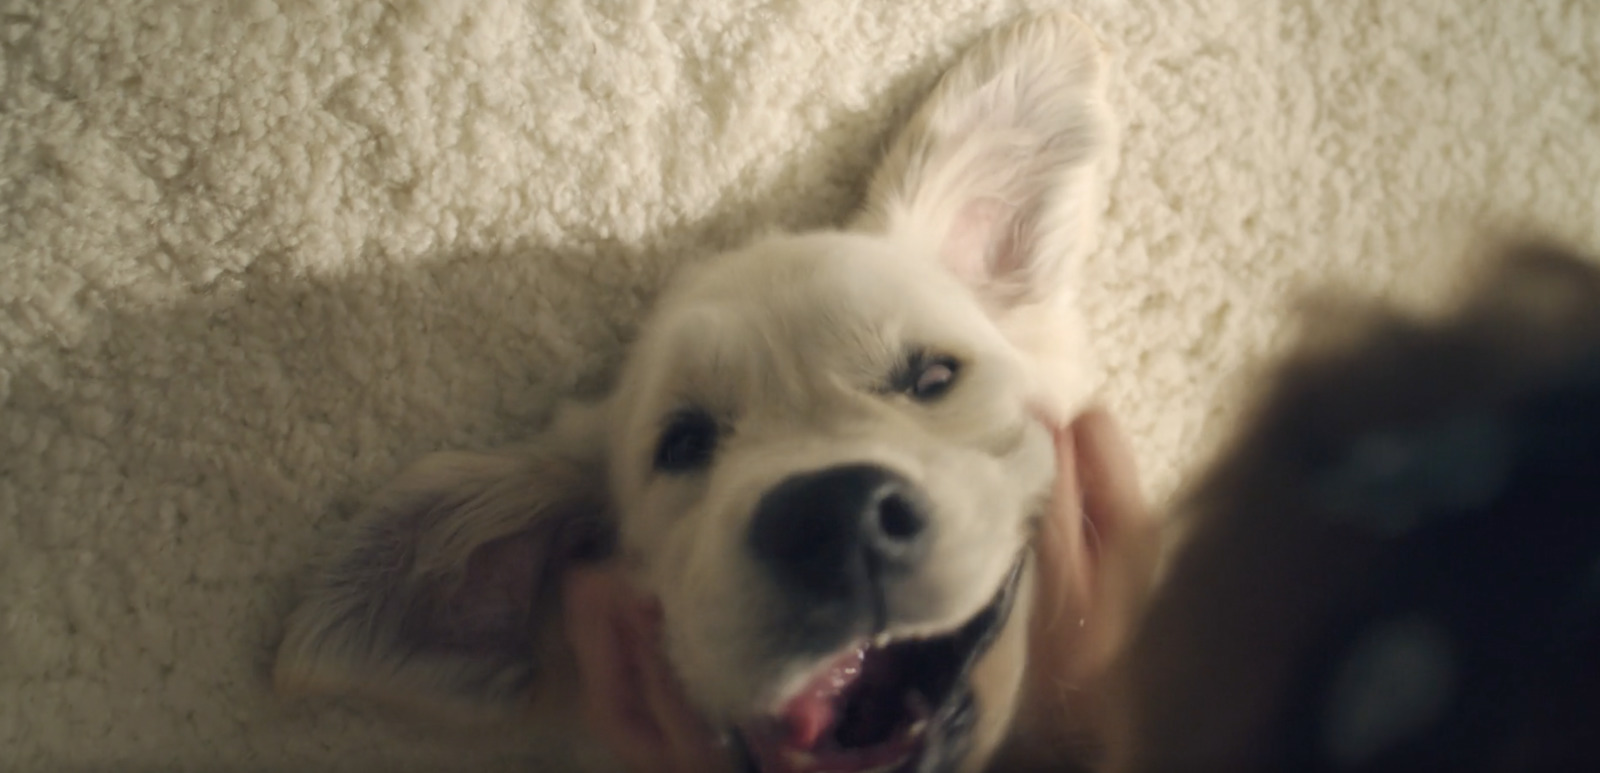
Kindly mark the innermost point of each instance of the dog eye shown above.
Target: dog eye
(687, 443)
(931, 377)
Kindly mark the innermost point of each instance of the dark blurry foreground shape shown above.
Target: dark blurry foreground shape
(1397, 565)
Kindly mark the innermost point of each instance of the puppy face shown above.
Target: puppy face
(771, 379)
(824, 456)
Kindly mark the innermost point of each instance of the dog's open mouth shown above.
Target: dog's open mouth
(880, 705)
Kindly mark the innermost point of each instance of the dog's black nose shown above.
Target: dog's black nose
(836, 533)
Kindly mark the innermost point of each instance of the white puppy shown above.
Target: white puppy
(825, 456)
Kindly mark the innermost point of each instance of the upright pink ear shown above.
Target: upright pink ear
(994, 173)
(445, 596)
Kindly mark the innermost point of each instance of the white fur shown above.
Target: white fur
(787, 340)
(967, 246)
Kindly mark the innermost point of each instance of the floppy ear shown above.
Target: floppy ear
(446, 594)
(993, 173)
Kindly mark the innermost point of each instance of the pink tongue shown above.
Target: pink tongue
(808, 718)
(812, 713)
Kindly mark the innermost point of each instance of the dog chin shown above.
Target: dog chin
(881, 704)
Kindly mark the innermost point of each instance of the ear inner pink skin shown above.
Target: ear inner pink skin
(492, 597)
(972, 249)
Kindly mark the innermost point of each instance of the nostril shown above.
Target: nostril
(899, 519)
(834, 532)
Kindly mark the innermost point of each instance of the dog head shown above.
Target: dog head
(824, 455)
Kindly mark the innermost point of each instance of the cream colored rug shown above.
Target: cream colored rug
(255, 255)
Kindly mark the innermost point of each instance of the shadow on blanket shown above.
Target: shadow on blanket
(263, 402)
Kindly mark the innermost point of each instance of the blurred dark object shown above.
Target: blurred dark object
(1397, 566)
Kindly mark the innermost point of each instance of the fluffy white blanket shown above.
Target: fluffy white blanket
(256, 254)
